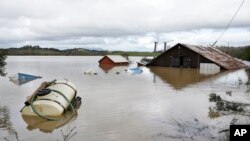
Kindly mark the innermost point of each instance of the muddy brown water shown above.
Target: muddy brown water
(158, 104)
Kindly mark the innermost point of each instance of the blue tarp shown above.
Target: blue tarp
(21, 78)
(135, 70)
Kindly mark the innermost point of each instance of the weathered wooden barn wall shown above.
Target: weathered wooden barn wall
(179, 56)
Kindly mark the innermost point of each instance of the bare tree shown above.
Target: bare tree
(2, 62)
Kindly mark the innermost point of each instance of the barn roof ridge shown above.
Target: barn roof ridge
(117, 58)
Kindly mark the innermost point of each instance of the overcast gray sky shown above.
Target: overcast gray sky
(121, 24)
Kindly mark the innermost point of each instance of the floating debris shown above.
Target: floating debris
(90, 72)
(68, 133)
(142, 63)
(21, 78)
(224, 107)
(53, 99)
(187, 130)
(136, 70)
(229, 93)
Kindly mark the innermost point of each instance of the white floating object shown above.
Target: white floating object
(50, 99)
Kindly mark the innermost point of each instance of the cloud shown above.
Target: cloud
(120, 24)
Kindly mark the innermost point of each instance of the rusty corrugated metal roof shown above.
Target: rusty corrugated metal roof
(218, 57)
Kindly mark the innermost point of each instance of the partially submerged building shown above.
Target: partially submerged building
(113, 60)
(192, 56)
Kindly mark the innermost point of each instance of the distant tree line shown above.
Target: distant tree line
(238, 52)
(37, 50)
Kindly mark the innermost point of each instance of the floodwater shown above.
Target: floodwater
(157, 105)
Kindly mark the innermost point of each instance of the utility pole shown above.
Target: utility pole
(155, 46)
(165, 44)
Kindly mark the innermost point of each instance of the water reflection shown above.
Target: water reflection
(179, 77)
(6, 124)
(106, 68)
(46, 126)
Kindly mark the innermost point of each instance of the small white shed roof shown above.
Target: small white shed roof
(117, 58)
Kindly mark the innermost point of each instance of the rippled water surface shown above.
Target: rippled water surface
(158, 104)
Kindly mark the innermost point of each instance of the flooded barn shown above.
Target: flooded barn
(113, 60)
(192, 56)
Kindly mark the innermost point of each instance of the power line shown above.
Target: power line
(229, 23)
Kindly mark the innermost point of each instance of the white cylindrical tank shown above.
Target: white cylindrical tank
(54, 101)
